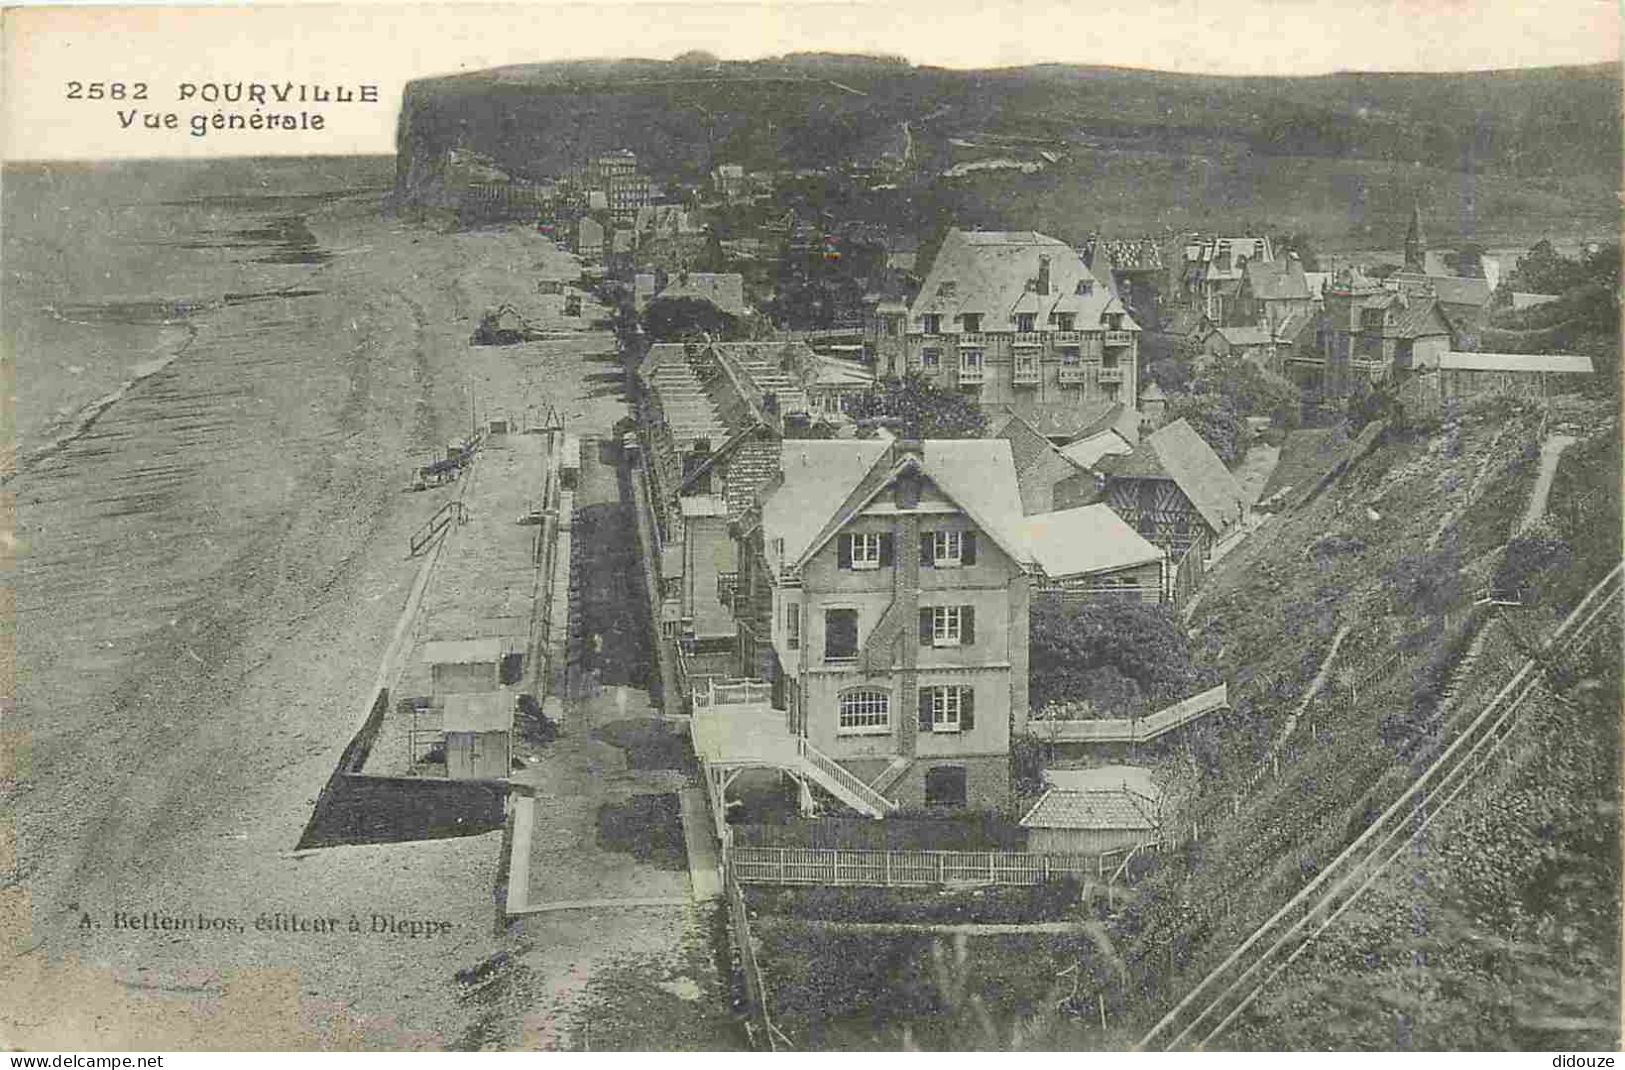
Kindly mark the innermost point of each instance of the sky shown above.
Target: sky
(386, 44)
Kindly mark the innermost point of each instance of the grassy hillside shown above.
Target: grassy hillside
(1395, 554)
(1495, 156)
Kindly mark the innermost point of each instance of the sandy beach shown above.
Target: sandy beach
(207, 577)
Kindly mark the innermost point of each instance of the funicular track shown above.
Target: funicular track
(1220, 997)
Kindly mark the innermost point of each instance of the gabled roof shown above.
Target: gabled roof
(994, 274)
(1085, 540)
(1178, 453)
(825, 483)
(726, 291)
(1277, 280)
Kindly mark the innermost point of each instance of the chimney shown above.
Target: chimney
(1043, 276)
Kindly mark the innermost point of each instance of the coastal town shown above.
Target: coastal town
(642, 568)
(843, 571)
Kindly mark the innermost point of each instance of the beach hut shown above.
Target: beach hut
(479, 735)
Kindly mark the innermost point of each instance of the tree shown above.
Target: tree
(674, 319)
(1468, 261)
(918, 408)
(1297, 242)
(1213, 417)
(1251, 390)
(1119, 656)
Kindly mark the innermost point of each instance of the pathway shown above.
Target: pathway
(1551, 451)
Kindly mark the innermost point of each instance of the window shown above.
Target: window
(840, 634)
(1026, 321)
(863, 551)
(945, 786)
(932, 323)
(792, 625)
(947, 626)
(1066, 321)
(1070, 356)
(973, 321)
(1108, 360)
(970, 360)
(947, 708)
(931, 358)
(946, 548)
(865, 711)
(1026, 366)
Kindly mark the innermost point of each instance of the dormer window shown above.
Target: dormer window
(972, 321)
(931, 323)
(1066, 321)
(1026, 322)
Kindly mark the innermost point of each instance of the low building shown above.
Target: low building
(1089, 554)
(589, 239)
(467, 666)
(1174, 490)
(478, 730)
(1107, 810)
(725, 291)
(1456, 376)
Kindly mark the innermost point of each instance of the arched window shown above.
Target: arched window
(865, 710)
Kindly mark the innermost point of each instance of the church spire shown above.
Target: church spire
(1416, 242)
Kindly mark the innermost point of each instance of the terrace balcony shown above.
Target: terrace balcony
(1025, 373)
(970, 374)
(1111, 375)
(1027, 338)
(1119, 338)
(1071, 373)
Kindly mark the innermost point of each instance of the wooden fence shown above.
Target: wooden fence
(907, 869)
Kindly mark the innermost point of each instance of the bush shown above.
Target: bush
(1118, 655)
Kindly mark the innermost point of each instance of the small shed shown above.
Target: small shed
(570, 462)
(479, 734)
(1094, 811)
(468, 666)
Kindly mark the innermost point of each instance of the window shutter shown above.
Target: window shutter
(967, 625)
(925, 627)
(967, 709)
(886, 550)
(967, 548)
(927, 550)
(925, 709)
(843, 551)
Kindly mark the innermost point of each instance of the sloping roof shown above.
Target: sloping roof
(993, 274)
(1521, 301)
(465, 651)
(1111, 809)
(484, 711)
(1064, 420)
(726, 290)
(1123, 254)
(1039, 465)
(1560, 363)
(1118, 416)
(1087, 451)
(1421, 319)
(1085, 540)
(1316, 281)
(1306, 455)
(1178, 453)
(1246, 336)
(1449, 289)
(1189, 321)
(816, 477)
(1277, 280)
(825, 483)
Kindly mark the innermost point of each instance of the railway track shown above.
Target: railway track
(1214, 1004)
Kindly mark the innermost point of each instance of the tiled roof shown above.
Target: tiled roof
(1118, 809)
(1124, 254)
(993, 274)
(1039, 465)
(1178, 453)
(1306, 455)
(1085, 540)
